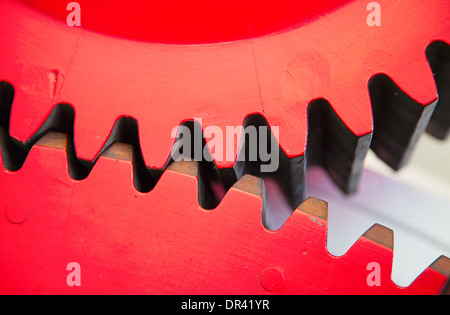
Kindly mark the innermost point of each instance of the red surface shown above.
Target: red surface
(194, 21)
(127, 242)
(162, 85)
(131, 243)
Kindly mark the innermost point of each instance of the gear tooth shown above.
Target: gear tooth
(89, 141)
(310, 213)
(333, 146)
(126, 130)
(438, 54)
(250, 184)
(184, 167)
(183, 185)
(48, 156)
(403, 100)
(27, 115)
(157, 142)
(224, 155)
(415, 78)
(247, 190)
(399, 121)
(404, 58)
(316, 207)
(119, 151)
(381, 235)
(118, 173)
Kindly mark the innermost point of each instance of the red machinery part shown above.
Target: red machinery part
(276, 75)
(333, 85)
(193, 22)
(133, 243)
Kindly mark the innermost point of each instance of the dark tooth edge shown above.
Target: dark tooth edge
(446, 289)
(399, 121)
(290, 173)
(209, 175)
(438, 54)
(334, 147)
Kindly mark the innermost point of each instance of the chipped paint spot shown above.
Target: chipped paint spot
(53, 82)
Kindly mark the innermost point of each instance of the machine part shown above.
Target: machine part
(439, 58)
(333, 89)
(129, 242)
(222, 80)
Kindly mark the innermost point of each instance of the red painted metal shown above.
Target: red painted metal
(131, 243)
(191, 22)
(162, 85)
(143, 66)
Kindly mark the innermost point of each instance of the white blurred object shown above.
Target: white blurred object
(428, 169)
